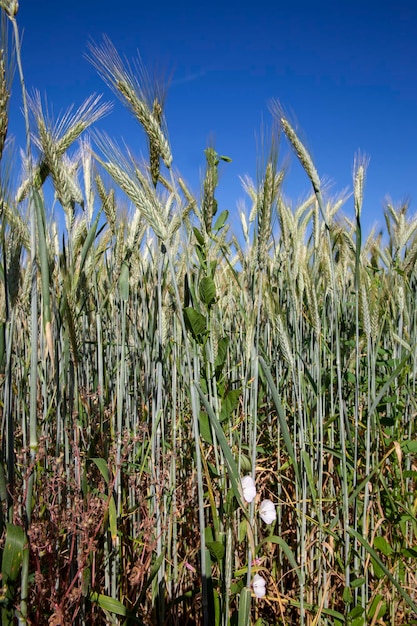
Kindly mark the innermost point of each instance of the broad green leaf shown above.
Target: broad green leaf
(205, 430)
(207, 290)
(356, 616)
(387, 384)
(221, 220)
(382, 544)
(102, 467)
(221, 355)
(229, 403)
(357, 611)
(15, 558)
(347, 595)
(409, 553)
(198, 236)
(15, 544)
(195, 322)
(409, 446)
(216, 550)
(202, 257)
(377, 569)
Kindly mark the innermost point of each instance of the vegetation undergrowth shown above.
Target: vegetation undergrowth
(199, 426)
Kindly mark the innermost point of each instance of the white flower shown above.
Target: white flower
(249, 489)
(259, 586)
(267, 511)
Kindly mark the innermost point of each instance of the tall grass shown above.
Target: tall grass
(152, 357)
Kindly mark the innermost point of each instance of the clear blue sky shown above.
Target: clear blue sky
(347, 72)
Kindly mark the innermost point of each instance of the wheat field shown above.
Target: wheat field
(199, 425)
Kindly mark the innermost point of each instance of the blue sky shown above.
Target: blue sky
(345, 71)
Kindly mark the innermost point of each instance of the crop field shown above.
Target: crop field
(206, 418)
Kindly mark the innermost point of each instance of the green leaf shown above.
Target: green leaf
(113, 520)
(152, 575)
(288, 553)
(347, 595)
(216, 549)
(221, 356)
(205, 430)
(409, 447)
(221, 220)
(207, 290)
(228, 456)
(351, 378)
(409, 553)
(109, 604)
(378, 571)
(198, 236)
(124, 282)
(43, 260)
(377, 604)
(281, 419)
(15, 544)
(102, 467)
(195, 322)
(89, 241)
(382, 544)
(229, 403)
(356, 612)
(244, 606)
(386, 571)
